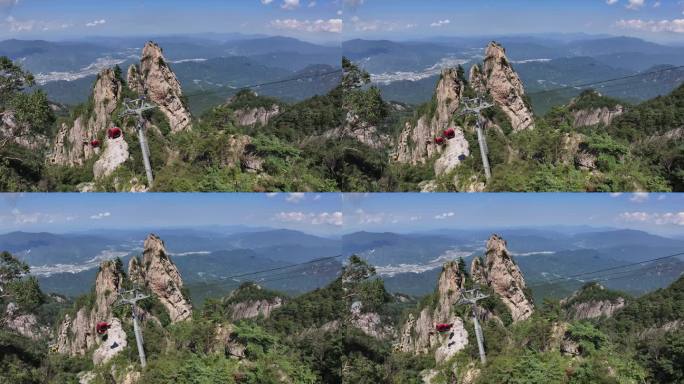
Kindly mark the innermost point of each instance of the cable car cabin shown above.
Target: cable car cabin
(95, 143)
(449, 133)
(439, 140)
(102, 328)
(441, 328)
(114, 133)
(462, 157)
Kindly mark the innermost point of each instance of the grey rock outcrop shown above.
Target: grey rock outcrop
(254, 308)
(596, 308)
(12, 131)
(500, 272)
(497, 78)
(362, 131)
(418, 334)
(157, 272)
(596, 116)
(416, 143)
(162, 87)
(251, 117)
(25, 324)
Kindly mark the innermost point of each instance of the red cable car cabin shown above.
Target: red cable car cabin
(443, 327)
(114, 133)
(102, 327)
(449, 133)
(95, 143)
(439, 140)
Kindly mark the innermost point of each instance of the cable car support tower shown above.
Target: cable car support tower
(475, 106)
(137, 107)
(131, 298)
(471, 297)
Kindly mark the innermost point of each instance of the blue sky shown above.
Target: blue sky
(316, 213)
(55, 19)
(322, 20)
(406, 19)
(334, 214)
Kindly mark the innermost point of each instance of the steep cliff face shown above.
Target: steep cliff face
(500, 272)
(162, 87)
(76, 334)
(12, 131)
(25, 324)
(251, 117)
(160, 275)
(72, 144)
(596, 116)
(416, 143)
(497, 78)
(418, 334)
(593, 301)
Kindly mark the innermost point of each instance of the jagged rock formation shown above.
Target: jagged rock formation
(593, 301)
(369, 323)
(416, 142)
(71, 145)
(354, 127)
(161, 86)
(157, 273)
(76, 334)
(596, 116)
(25, 324)
(500, 272)
(497, 78)
(418, 334)
(594, 309)
(251, 117)
(255, 308)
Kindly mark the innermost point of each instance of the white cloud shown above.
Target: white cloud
(611, 2)
(671, 26)
(272, 194)
(312, 4)
(440, 23)
(295, 197)
(266, 2)
(323, 218)
(20, 25)
(445, 215)
(320, 25)
(364, 217)
(100, 215)
(639, 197)
(95, 23)
(656, 4)
(616, 194)
(669, 218)
(635, 4)
(290, 4)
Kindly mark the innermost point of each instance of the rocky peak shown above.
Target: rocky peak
(134, 79)
(416, 142)
(591, 108)
(76, 334)
(71, 145)
(418, 334)
(497, 78)
(162, 87)
(159, 274)
(25, 324)
(500, 272)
